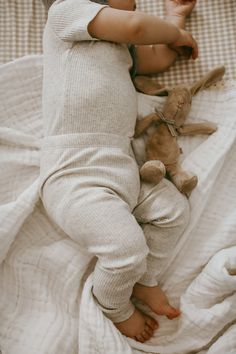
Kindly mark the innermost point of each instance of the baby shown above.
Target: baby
(90, 182)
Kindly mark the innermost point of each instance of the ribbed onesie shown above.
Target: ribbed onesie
(89, 177)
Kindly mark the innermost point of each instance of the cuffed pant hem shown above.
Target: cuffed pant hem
(146, 280)
(119, 314)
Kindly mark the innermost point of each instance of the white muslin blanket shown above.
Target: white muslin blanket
(46, 305)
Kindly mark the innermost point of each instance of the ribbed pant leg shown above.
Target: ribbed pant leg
(102, 223)
(163, 213)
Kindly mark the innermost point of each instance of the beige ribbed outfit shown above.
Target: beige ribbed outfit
(90, 179)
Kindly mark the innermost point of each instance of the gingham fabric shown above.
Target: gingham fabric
(21, 28)
(213, 23)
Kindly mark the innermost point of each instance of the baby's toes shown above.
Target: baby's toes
(148, 330)
(170, 312)
(140, 338)
(153, 324)
(146, 334)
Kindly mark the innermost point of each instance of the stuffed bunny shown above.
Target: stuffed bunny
(162, 150)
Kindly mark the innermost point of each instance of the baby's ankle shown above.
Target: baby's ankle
(177, 20)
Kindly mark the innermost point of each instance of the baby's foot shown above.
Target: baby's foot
(156, 299)
(179, 7)
(178, 10)
(139, 326)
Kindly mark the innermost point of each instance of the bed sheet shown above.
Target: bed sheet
(213, 23)
(46, 303)
(42, 272)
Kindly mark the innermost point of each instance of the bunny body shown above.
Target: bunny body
(162, 149)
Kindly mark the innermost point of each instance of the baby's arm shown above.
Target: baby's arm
(67, 20)
(132, 27)
(166, 37)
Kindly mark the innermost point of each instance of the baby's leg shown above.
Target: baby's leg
(159, 57)
(163, 213)
(98, 220)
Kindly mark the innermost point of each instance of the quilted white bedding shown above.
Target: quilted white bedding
(46, 305)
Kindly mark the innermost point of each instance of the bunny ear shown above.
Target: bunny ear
(148, 86)
(211, 78)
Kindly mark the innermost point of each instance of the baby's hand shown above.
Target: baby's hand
(179, 7)
(185, 44)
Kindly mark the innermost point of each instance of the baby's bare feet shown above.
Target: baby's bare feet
(179, 7)
(139, 326)
(156, 299)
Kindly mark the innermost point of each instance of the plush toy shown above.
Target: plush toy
(162, 150)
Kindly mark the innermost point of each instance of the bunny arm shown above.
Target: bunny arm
(197, 128)
(143, 124)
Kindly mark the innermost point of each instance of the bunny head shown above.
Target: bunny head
(178, 102)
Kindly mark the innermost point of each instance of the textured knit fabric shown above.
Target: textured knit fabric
(87, 85)
(90, 179)
(91, 197)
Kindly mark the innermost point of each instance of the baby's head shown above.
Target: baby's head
(48, 3)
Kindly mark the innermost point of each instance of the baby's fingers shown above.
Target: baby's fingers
(191, 44)
(194, 47)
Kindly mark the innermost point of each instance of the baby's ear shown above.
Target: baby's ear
(149, 86)
(209, 79)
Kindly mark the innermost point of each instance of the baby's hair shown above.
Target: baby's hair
(48, 3)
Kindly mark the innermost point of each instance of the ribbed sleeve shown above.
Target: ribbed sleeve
(69, 19)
